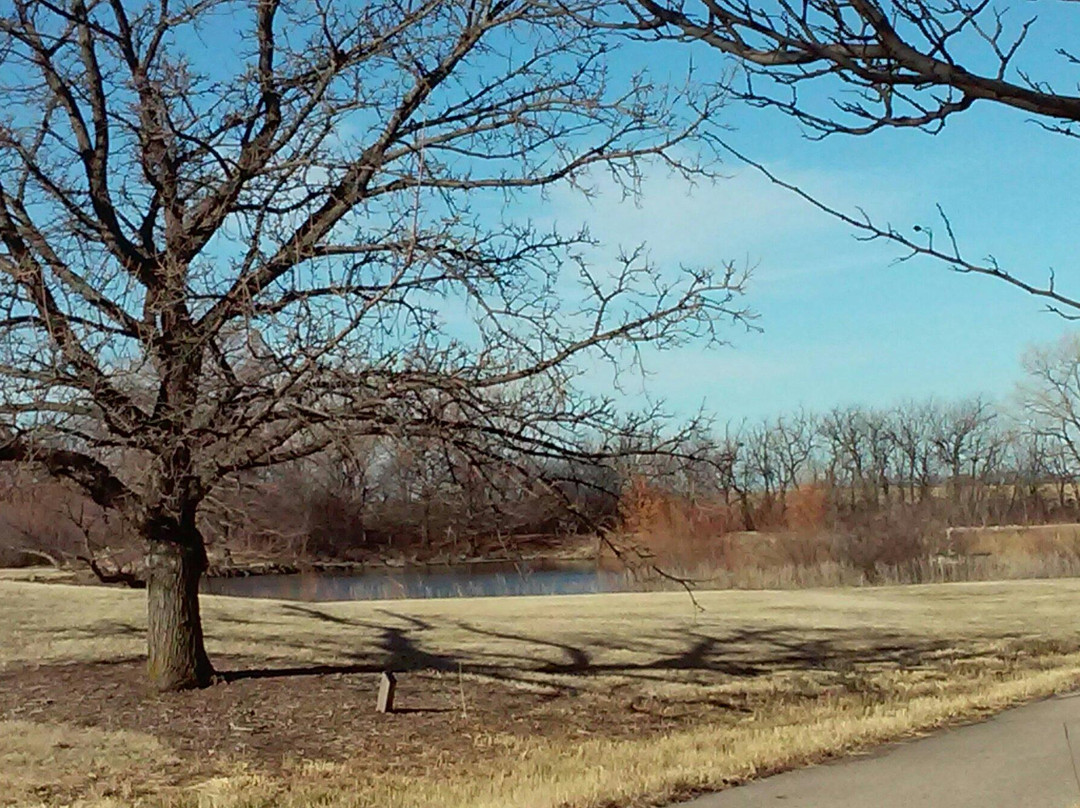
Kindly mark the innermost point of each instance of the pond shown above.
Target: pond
(457, 581)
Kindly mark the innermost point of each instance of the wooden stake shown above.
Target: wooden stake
(387, 683)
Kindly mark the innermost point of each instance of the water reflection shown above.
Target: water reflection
(466, 580)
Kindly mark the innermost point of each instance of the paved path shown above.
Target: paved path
(1018, 759)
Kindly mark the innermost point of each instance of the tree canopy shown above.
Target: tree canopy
(232, 233)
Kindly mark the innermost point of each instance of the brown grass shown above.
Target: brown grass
(39, 763)
(826, 573)
(778, 678)
(1017, 540)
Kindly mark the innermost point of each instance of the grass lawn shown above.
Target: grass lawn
(596, 700)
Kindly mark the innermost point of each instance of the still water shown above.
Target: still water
(458, 581)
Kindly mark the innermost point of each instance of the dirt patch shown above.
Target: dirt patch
(268, 718)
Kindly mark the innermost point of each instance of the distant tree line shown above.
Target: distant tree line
(913, 467)
(968, 462)
(968, 459)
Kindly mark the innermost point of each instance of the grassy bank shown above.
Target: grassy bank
(626, 699)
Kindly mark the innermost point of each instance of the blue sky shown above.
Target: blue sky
(841, 323)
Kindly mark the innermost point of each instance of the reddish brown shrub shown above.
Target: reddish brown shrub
(676, 527)
(807, 508)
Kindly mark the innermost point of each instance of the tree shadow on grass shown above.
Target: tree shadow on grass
(520, 657)
(296, 671)
(394, 650)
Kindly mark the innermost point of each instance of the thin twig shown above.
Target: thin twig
(461, 690)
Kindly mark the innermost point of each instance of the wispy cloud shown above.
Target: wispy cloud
(841, 324)
(742, 217)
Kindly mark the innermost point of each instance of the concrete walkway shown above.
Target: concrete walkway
(1018, 759)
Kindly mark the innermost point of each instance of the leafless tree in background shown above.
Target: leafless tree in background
(796, 443)
(912, 434)
(961, 437)
(848, 451)
(857, 67)
(233, 232)
(1050, 398)
(762, 460)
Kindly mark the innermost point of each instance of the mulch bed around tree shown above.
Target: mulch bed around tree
(268, 719)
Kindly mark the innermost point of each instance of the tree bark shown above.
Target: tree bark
(177, 657)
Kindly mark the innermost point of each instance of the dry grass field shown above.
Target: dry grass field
(1016, 540)
(605, 700)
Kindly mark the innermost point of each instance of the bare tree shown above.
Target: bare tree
(762, 460)
(1050, 399)
(797, 439)
(899, 63)
(960, 438)
(776, 452)
(1031, 464)
(912, 435)
(850, 458)
(881, 454)
(233, 232)
(857, 67)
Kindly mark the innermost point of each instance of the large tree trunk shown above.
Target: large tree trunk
(177, 656)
